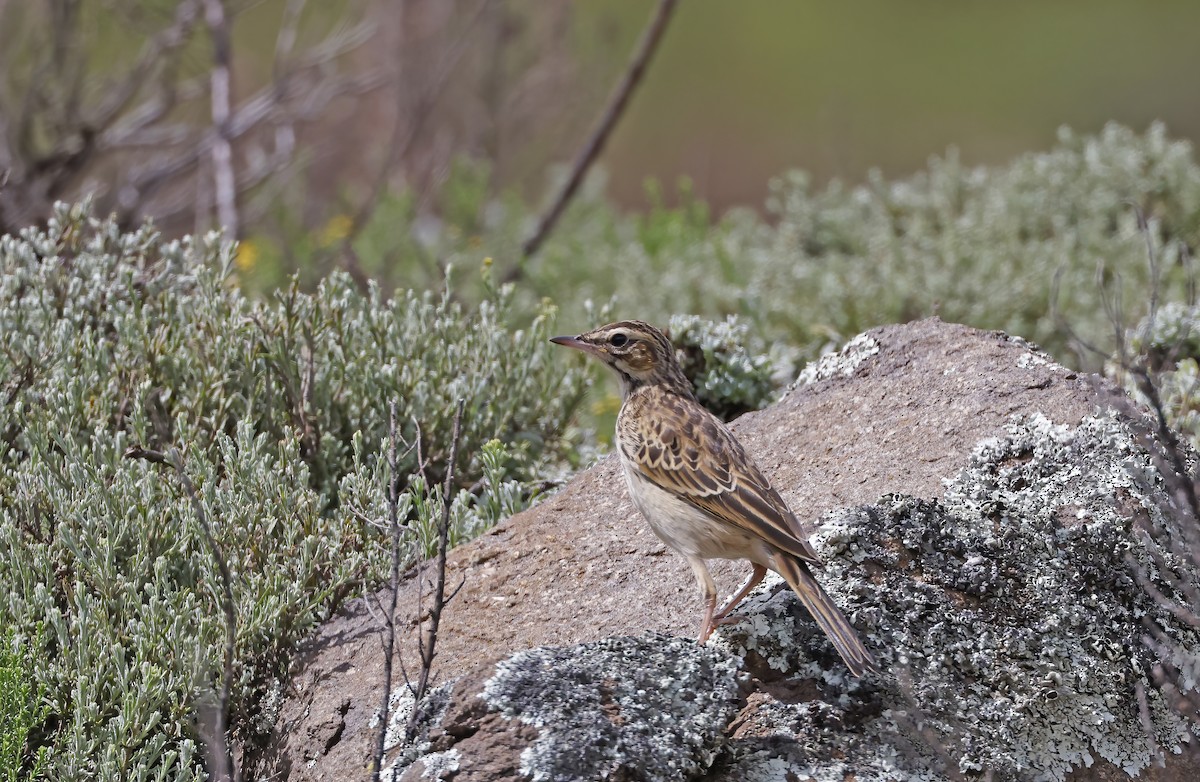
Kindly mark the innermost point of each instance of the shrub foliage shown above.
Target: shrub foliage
(1015, 247)
(116, 339)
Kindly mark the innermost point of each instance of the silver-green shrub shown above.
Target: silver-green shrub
(280, 410)
(986, 246)
(725, 361)
(1166, 347)
(279, 406)
(1017, 246)
(1026, 247)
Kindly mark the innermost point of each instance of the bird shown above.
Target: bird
(701, 493)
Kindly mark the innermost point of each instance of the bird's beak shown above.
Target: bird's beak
(575, 342)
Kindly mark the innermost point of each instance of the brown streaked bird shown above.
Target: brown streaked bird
(701, 493)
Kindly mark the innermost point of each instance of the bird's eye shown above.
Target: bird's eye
(617, 340)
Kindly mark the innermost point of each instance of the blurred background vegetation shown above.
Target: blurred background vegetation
(393, 140)
(370, 101)
(345, 228)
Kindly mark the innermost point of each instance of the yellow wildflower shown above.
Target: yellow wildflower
(337, 229)
(247, 255)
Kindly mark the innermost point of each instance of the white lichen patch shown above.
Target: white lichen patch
(840, 364)
(1029, 360)
(440, 765)
(1033, 356)
(652, 708)
(400, 707)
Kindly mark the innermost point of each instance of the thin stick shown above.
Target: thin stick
(608, 120)
(440, 600)
(389, 617)
(406, 130)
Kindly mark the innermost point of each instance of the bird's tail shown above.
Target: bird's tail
(818, 602)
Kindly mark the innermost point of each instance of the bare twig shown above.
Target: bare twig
(1151, 259)
(221, 765)
(421, 461)
(310, 432)
(53, 132)
(608, 120)
(53, 98)
(285, 40)
(248, 116)
(428, 641)
(1172, 450)
(389, 614)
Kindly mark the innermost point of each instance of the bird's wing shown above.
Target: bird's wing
(682, 448)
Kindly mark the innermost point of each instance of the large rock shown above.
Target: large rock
(988, 524)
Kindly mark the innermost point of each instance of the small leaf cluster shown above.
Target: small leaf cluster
(726, 363)
(1166, 347)
(118, 343)
(21, 713)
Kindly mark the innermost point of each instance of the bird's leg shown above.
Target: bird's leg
(710, 603)
(756, 577)
(709, 588)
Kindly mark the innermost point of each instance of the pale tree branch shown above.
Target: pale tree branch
(224, 184)
(266, 104)
(268, 168)
(132, 133)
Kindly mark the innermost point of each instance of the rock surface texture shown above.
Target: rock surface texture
(988, 524)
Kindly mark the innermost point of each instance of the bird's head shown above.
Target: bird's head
(640, 354)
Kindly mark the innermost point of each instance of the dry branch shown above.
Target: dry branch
(604, 127)
(389, 613)
(428, 641)
(133, 138)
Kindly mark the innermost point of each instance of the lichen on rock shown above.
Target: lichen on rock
(1012, 614)
(842, 363)
(651, 707)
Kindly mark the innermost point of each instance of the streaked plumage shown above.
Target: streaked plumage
(694, 483)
